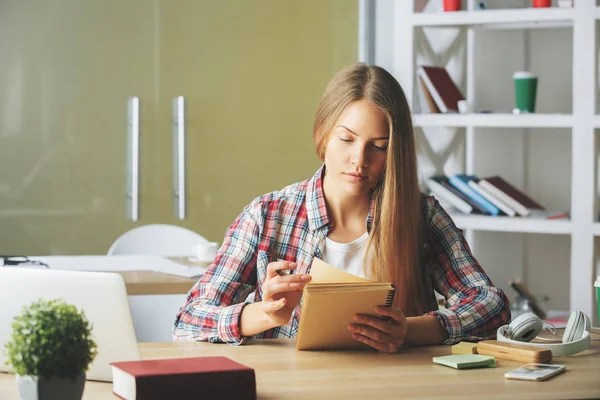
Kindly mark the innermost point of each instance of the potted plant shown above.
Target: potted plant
(50, 349)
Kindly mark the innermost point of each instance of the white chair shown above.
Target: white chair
(153, 315)
(157, 239)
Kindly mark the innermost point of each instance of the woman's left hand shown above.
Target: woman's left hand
(384, 335)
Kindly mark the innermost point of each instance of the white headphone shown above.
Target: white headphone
(527, 326)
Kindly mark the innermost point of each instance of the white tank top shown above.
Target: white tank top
(348, 257)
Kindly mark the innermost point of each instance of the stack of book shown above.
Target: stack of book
(492, 196)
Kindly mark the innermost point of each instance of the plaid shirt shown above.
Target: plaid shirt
(291, 225)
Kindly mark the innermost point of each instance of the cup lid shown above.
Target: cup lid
(524, 75)
(597, 283)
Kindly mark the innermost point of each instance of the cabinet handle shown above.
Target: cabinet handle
(179, 190)
(133, 157)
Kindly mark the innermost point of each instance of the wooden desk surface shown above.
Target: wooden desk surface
(284, 373)
(150, 282)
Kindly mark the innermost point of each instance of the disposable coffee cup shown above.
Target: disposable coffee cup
(597, 285)
(525, 91)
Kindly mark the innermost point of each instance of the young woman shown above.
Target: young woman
(362, 212)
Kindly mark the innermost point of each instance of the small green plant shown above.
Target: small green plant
(51, 339)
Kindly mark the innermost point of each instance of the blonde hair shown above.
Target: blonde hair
(393, 253)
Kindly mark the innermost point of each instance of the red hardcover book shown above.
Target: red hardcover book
(441, 87)
(183, 378)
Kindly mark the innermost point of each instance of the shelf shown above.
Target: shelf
(579, 24)
(495, 120)
(523, 18)
(511, 224)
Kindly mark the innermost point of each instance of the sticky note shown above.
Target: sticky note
(464, 348)
(464, 361)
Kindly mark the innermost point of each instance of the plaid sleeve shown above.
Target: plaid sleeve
(475, 309)
(215, 303)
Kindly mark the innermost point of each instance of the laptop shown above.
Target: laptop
(101, 295)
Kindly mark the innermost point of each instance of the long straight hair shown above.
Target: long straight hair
(396, 238)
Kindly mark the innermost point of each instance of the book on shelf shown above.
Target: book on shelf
(211, 377)
(470, 195)
(443, 190)
(477, 209)
(442, 193)
(444, 204)
(329, 303)
(488, 196)
(461, 182)
(441, 87)
(429, 101)
(510, 195)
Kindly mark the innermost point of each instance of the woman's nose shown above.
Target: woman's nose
(359, 158)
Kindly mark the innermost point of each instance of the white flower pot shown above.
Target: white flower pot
(34, 388)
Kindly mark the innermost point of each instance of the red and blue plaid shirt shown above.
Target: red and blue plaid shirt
(291, 225)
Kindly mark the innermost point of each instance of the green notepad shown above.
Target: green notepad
(464, 361)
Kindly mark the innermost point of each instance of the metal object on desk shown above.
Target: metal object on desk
(521, 288)
(523, 305)
(20, 260)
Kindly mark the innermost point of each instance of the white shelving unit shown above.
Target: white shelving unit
(495, 120)
(508, 224)
(497, 19)
(581, 228)
(596, 229)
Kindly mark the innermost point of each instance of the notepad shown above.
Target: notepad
(329, 303)
(464, 348)
(464, 361)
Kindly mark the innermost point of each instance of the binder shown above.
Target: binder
(329, 303)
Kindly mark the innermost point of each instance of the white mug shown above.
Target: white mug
(206, 251)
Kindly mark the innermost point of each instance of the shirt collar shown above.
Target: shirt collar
(316, 207)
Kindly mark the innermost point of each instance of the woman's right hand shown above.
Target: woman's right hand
(281, 293)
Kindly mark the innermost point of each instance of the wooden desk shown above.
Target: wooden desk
(284, 373)
(150, 282)
(143, 274)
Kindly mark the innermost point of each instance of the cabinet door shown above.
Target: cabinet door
(67, 70)
(252, 74)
